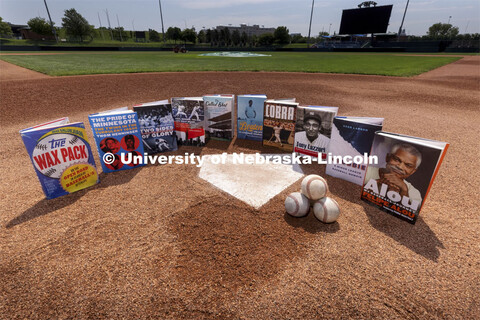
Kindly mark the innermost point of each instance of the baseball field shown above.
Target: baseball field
(159, 242)
(79, 63)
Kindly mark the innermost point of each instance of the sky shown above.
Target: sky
(294, 14)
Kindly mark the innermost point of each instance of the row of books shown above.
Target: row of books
(398, 184)
(406, 166)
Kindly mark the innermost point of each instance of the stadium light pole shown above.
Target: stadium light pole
(161, 18)
(403, 19)
(310, 26)
(109, 25)
(100, 21)
(51, 23)
(119, 30)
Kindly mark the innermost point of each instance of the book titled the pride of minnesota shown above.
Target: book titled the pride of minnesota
(117, 136)
(399, 183)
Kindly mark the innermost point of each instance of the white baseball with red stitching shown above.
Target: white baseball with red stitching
(297, 205)
(314, 187)
(326, 210)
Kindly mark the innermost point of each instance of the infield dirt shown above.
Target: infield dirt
(159, 242)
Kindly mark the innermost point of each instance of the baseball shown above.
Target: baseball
(314, 187)
(326, 210)
(297, 204)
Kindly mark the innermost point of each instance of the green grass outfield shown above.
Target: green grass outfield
(75, 63)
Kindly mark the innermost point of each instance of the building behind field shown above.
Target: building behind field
(254, 30)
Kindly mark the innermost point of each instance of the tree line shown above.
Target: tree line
(222, 37)
(77, 28)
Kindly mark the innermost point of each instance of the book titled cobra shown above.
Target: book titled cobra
(61, 156)
(279, 123)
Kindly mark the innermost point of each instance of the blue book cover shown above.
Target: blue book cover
(61, 156)
(250, 117)
(352, 136)
(219, 116)
(118, 139)
(157, 127)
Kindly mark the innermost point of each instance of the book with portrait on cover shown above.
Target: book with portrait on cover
(407, 166)
(312, 130)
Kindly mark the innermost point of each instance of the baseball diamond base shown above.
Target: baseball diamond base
(255, 184)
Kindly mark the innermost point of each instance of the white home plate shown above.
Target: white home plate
(254, 184)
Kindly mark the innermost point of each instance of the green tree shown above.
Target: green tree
(281, 35)
(120, 34)
(153, 35)
(225, 36)
(5, 29)
(215, 37)
(189, 35)
(202, 37)
(320, 37)
(174, 33)
(244, 38)
(253, 40)
(101, 32)
(40, 26)
(76, 25)
(266, 39)
(298, 39)
(236, 38)
(442, 31)
(208, 36)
